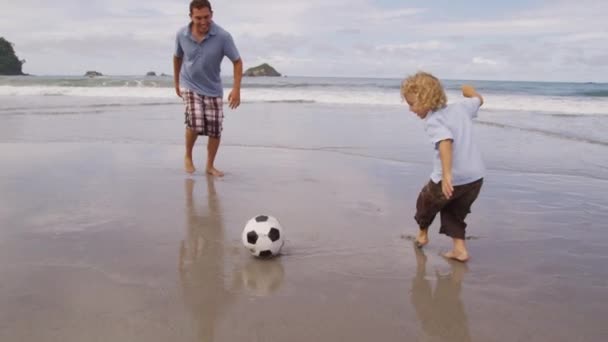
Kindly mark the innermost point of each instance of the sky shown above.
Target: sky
(533, 40)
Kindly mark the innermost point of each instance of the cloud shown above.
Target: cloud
(431, 45)
(554, 40)
(592, 37)
(484, 61)
(391, 14)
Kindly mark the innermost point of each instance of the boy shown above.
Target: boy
(458, 170)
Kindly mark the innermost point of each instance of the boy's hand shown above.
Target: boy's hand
(445, 154)
(446, 186)
(468, 91)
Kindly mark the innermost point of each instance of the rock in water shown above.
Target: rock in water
(9, 63)
(92, 73)
(262, 70)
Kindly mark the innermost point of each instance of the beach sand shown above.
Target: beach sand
(103, 237)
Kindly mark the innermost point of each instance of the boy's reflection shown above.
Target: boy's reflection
(441, 313)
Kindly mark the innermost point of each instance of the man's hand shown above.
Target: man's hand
(446, 185)
(177, 66)
(234, 98)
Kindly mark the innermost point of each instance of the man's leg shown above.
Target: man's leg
(191, 136)
(212, 147)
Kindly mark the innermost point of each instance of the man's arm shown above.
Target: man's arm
(234, 97)
(445, 154)
(177, 67)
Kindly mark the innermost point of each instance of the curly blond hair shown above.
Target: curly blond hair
(426, 89)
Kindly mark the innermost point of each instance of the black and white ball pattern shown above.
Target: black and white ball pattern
(263, 236)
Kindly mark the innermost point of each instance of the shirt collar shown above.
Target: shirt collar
(212, 30)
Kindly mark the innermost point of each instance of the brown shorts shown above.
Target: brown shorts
(204, 114)
(453, 211)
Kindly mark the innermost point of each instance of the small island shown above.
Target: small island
(151, 73)
(92, 73)
(261, 70)
(9, 63)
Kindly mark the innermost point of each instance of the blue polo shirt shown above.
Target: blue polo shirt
(201, 61)
(455, 122)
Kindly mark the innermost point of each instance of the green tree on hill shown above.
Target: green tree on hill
(9, 63)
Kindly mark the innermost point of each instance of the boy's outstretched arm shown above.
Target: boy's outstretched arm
(469, 91)
(445, 154)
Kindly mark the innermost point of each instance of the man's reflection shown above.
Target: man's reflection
(441, 312)
(201, 260)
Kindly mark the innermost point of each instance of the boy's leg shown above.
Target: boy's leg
(459, 251)
(453, 216)
(430, 201)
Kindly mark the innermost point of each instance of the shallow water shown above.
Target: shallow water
(103, 237)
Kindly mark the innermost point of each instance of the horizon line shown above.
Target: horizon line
(308, 76)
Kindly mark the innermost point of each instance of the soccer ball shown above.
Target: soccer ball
(263, 236)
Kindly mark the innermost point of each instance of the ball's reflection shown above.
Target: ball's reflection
(262, 277)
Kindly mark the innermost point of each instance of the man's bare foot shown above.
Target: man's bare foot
(215, 172)
(422, 239)
(458, 256)
(189, 165)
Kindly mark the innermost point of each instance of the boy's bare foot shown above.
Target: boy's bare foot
(215, 172)
(458, 256)
(189, 165)
(422, 239)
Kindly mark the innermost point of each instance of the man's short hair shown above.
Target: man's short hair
(200, 4)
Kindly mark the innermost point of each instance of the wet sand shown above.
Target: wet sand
(112, 241)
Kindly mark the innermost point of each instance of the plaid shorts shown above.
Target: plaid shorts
(204, 114)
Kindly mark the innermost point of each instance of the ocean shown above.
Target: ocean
(569, 110)
(568, 113)
(542, 97)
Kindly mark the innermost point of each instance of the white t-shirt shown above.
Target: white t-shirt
(455, 122)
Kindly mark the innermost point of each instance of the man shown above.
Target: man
(199, 50)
